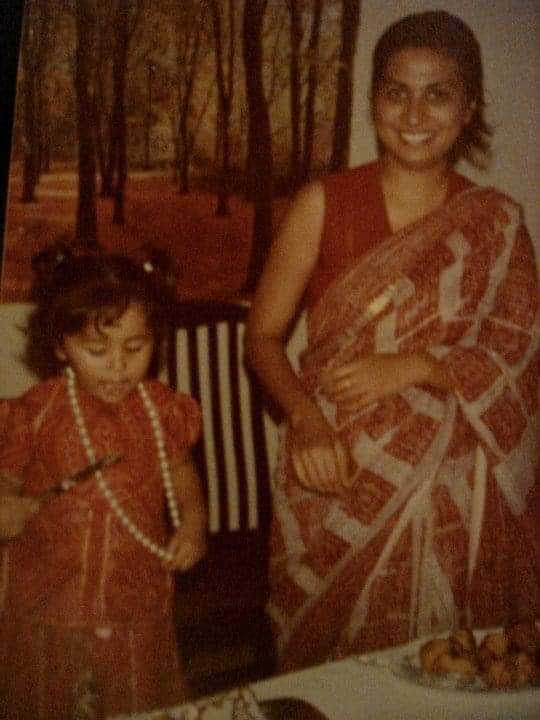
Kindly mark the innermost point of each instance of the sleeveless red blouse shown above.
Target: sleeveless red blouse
(355, 221)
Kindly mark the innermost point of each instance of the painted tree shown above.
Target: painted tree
(191, 43)
(312, 83)
(35, 44)
(225, 51)
(102, 96)
(128, 14)
(295, 91)
(86, 223)
(350, 23)
(259, 137)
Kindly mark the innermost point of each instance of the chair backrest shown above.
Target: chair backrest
(205, 359)
(15, 376)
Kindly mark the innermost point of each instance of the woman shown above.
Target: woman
(407, 490)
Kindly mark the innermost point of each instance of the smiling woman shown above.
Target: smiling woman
(410, 448)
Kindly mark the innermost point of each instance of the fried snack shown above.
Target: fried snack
(497, 644)
(524, 636)
(432, 651)
(503, 660)
(464, 640)
(464, 665)
(524, 669)
(498, 674)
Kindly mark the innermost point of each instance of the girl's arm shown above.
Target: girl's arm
(318, 457)
(188, 544)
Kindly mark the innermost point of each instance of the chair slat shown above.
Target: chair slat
(247, 437)
(227, 367)
(208, 362)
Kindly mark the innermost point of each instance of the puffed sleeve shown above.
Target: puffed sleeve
(15, 436)
(180, 416)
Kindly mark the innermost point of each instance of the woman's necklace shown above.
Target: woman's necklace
(104, 486)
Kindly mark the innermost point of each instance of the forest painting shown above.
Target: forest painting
(183, 126)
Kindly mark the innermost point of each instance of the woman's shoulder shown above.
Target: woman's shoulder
(364, 175)
(493, 200)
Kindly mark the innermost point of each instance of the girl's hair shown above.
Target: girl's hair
(73, 290)
(442, 31)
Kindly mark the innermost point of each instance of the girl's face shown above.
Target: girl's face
(420, 108)
(110, 360)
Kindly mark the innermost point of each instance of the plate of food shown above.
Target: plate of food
(502, 660)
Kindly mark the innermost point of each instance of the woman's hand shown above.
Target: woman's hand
(320, 460)
(187, 546)
(357, 384)
(15, 513)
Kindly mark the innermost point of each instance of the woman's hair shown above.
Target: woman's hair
(72, 290)
(442, 31)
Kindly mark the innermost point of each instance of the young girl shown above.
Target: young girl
(86, 588)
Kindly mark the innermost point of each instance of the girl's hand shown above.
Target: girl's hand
(15, 512)
(187, 546)
(357, 384)
(320, 460)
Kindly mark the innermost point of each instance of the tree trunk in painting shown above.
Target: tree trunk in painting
(104, 165)
(225, 99)
(122, 32)
(86, 227)
(259, 137)
(188, 64)
(150, 69)
(30, 164)
(350, 22)
(35, 41)
(295, 95)
(313, 77)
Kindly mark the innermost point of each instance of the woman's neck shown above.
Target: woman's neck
(409, 195)
(411, 184)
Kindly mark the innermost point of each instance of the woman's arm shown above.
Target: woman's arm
(318, 457)
(188, 544)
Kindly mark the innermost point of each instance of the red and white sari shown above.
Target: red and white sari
(440, 528)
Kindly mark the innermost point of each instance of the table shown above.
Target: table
(365, 688)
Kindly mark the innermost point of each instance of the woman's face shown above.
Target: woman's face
(420, 108)
(110, 360)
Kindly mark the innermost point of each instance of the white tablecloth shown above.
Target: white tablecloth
(367, 688)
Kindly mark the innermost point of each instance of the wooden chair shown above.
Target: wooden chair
(223, 629)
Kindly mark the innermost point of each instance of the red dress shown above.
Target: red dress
(87, 610)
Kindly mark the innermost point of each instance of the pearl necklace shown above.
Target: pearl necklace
(104, 486)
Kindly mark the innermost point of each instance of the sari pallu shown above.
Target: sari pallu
(440, 527)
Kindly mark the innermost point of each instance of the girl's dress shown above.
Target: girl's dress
(87, 616)
(440, 528)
